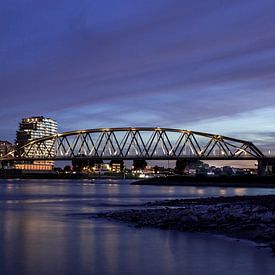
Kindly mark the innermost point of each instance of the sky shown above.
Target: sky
(198, 65)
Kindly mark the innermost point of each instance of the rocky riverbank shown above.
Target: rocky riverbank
(248, 217)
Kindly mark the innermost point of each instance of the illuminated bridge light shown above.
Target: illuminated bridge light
(134, 142)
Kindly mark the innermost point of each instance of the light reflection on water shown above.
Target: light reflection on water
(39, 233)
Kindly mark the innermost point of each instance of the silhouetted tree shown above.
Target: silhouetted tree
(181, 164)
(58, 169)
(67, 168)
(79, 164)
(156, 169)
(139, 164)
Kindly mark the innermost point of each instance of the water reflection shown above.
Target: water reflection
(223, 191)
(40, 235)
(240, 191)
(200, 191)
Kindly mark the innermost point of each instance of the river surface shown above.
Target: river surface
(42, 232)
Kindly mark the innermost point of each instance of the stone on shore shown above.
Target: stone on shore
(251, 217)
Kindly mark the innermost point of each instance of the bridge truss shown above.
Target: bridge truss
(135, 143)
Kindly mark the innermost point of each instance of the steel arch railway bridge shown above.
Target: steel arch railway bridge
(135, 143)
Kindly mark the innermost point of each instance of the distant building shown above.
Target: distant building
(5, 147)
(33, 128)
(102, 168)
(116, 167)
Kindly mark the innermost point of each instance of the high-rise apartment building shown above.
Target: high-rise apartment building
(35, 127)
(32, 128)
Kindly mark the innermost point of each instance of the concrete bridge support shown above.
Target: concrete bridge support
(262, 167)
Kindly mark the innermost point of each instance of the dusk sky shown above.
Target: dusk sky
(198, 65)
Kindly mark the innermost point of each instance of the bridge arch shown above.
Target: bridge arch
(135, 142)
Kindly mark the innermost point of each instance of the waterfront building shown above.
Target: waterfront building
(116, 167)
(102, 168)
(33, 128)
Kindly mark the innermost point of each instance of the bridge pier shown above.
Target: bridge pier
(262, 167)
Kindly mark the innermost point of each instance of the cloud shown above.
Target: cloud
(150, 62)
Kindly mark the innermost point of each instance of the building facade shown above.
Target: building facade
(32, 128)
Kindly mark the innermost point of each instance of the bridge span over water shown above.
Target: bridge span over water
(136, 143)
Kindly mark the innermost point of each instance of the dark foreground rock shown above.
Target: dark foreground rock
(245, 217)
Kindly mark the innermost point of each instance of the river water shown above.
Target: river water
(44, 230)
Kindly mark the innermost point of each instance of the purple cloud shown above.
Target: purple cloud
(109, 63)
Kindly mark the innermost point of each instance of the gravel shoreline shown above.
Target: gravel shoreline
(246, 217)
